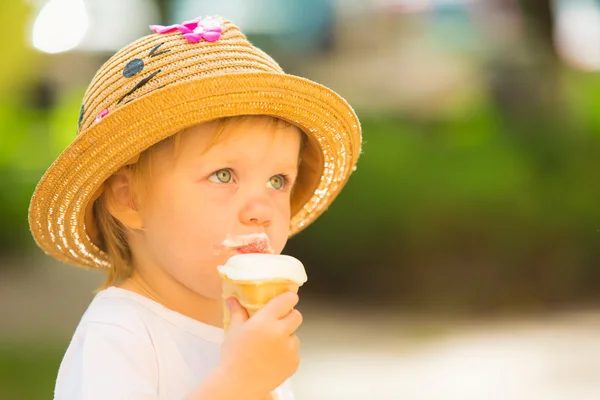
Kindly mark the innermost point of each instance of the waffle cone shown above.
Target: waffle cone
(253, 295)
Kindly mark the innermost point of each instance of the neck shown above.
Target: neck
(177, 297)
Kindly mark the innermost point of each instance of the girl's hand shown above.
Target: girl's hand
(260, 353)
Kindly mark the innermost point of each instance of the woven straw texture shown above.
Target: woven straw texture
(161, 84)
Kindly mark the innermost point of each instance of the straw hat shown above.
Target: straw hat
(180, 76)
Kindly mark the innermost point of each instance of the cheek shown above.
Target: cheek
(176, 225)
(180, 235)
(280, 226)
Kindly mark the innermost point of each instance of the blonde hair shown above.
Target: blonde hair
(112, 233)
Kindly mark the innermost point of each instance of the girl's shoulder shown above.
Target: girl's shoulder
(118, 307)
(142, 316)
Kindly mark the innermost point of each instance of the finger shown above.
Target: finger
(239, 315)
(294, 343)
(280, 306)
(294, 347)
(292, 321)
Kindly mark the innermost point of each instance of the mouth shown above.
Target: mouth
(245, 244)
(139, 85)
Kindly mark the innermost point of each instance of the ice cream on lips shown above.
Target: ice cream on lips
(250, 243)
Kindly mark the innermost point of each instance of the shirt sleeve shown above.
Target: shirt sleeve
(108, 361)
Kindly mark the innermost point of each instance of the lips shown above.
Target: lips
(258, 246)
(252, 243)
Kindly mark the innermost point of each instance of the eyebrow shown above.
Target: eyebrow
(153, 51)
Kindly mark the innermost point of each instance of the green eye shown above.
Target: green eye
(221, 176)
(277, 182)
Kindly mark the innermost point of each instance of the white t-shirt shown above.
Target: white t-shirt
(130, 347)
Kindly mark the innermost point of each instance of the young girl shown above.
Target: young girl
(186, 137)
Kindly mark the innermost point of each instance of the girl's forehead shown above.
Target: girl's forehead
(249, 123)
(240, 131)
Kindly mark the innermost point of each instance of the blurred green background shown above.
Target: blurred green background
(477, 194)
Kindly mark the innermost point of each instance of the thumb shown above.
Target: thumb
(239, 315)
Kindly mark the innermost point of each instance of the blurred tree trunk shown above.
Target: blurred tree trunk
(540, 27)
(163, 8)
(540, 23)
(525, 70)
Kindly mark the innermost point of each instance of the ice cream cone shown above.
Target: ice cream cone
(254, 279)
(253, 295)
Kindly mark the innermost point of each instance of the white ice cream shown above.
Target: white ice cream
(242, 240)
(257, 266)
(252, 243)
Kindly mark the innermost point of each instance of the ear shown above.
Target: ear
(121, 199)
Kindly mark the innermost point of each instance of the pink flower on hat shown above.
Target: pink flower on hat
(102, 114)
(209, 29)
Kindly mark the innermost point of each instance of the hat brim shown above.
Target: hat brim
(59, 203)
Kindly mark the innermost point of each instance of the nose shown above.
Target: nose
(256, 210)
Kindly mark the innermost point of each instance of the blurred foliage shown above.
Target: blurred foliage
(30, 140)
(18, 60)
(28, 371)
(471, 213)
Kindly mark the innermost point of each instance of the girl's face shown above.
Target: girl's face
(210, 187)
